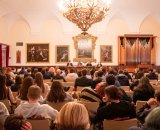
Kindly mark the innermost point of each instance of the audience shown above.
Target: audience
(83, 80)
(27, 82)
(57, 93)
(32, 108)
(71, 77)
(39, 82)
(58, 76)
(73, 116)
(15, 122)
(5, 92)
(152, 75)
(93, 95)
(114, 107)
(145, 110)
(18, 84)
(144, 91)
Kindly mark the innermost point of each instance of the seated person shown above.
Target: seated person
(144, 91)
(79, 63)
(83, 81)
(99, 64)
(89, 64)
(73, 116)
(3, 113)
(115, 108)
(58, 76)
(152, 75)
(93, 95)
(145, 110)
(69, 63)
(15, 122)
(32, 107)
(57, 93)
(71, 77)
(122, 78)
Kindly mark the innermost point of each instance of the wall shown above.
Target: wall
(56, 30)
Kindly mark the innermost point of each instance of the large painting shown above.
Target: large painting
(106, 53)
(62, 54)
(38, 52)
(84, 45)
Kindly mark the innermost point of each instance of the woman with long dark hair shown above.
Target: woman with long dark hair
(57, 93)
(39, 82)
(5, 92)
(144, 91)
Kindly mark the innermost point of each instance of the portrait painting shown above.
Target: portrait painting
(84, 45)
(85, 48)
(106, 53)
(38, 52)
(62, 54)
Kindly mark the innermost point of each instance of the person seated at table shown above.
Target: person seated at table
(79, 63)
(152, 75)
(99, 64)
(89, 64)
(69, 63)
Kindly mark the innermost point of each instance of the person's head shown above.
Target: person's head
(120, 71)
(34, 93)
(73, 116)
(16, 122)
(56, 93)
(84, 72)
(18, 79)
(110, 79)
(100, 73)
(100, 87)
(157, 96)
(152, 121)
(112, 93)
(39, 80)
(144, 80)
(4, 70)
(58, 72)
(27, 82)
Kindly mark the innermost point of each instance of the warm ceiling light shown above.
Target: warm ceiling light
(84, 13)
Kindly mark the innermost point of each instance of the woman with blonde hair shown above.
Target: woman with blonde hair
(39, 82)
(73, 116)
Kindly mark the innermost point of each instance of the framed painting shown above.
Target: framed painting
(37, 52)
(84, 45)
(62, 53)
(18, 56)
(106, 53)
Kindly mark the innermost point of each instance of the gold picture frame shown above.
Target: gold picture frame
(37, 53)
(62, 53)
(106, 55)
(84, 45)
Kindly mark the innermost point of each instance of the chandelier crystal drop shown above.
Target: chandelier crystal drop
(84, 13)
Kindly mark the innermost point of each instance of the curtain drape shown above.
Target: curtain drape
(0, 55)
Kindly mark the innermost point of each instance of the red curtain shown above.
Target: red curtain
(0, 55)
(7, 55)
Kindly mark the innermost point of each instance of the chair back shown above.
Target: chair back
(56, 106)
(68, 84)
(139, 104)
(125, 88)
(91, 106)
(40, 124)
(119, 125)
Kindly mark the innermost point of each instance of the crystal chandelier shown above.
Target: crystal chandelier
(84, 13)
